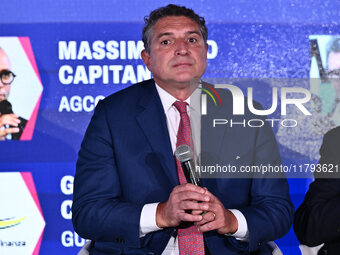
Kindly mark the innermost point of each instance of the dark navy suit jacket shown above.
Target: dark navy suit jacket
(126, 161)
(317, 219)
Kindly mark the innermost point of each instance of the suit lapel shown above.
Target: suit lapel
(152, 120)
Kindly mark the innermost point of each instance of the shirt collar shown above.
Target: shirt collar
(167, 99)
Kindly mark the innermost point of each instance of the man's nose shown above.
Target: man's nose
(182, 48)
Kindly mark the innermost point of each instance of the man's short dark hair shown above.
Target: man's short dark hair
(170, 10)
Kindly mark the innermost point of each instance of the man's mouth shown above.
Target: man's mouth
(182, 65)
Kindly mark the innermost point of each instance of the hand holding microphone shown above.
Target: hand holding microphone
(183, 198)
(215, 216)
(9, 122)
(188, 201)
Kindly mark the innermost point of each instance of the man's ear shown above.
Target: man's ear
(146, 58)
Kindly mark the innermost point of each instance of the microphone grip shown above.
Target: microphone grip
(189, 172)
(5, 107)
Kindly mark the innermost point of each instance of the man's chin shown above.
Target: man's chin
(180, 81)
(186, 78)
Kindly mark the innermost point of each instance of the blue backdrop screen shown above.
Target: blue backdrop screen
(83, 56)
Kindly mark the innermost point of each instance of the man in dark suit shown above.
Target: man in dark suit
(127, 194)
(317, 220)
(11, 125)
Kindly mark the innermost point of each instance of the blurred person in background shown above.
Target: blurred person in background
(11, 125)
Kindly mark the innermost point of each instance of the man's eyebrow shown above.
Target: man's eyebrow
(164, 34)
(194, 32)
(187, 33)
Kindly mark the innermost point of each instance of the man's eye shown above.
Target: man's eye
(165, 42)
(6, 74)
(192, 40)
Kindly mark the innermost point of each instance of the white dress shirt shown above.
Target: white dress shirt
(148, 215)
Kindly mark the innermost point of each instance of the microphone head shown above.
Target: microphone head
(5, 107)
(184, 153)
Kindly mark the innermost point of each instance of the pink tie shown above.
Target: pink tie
(190, 240)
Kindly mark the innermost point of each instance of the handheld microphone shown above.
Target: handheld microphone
(184, 154)
(5, 107)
